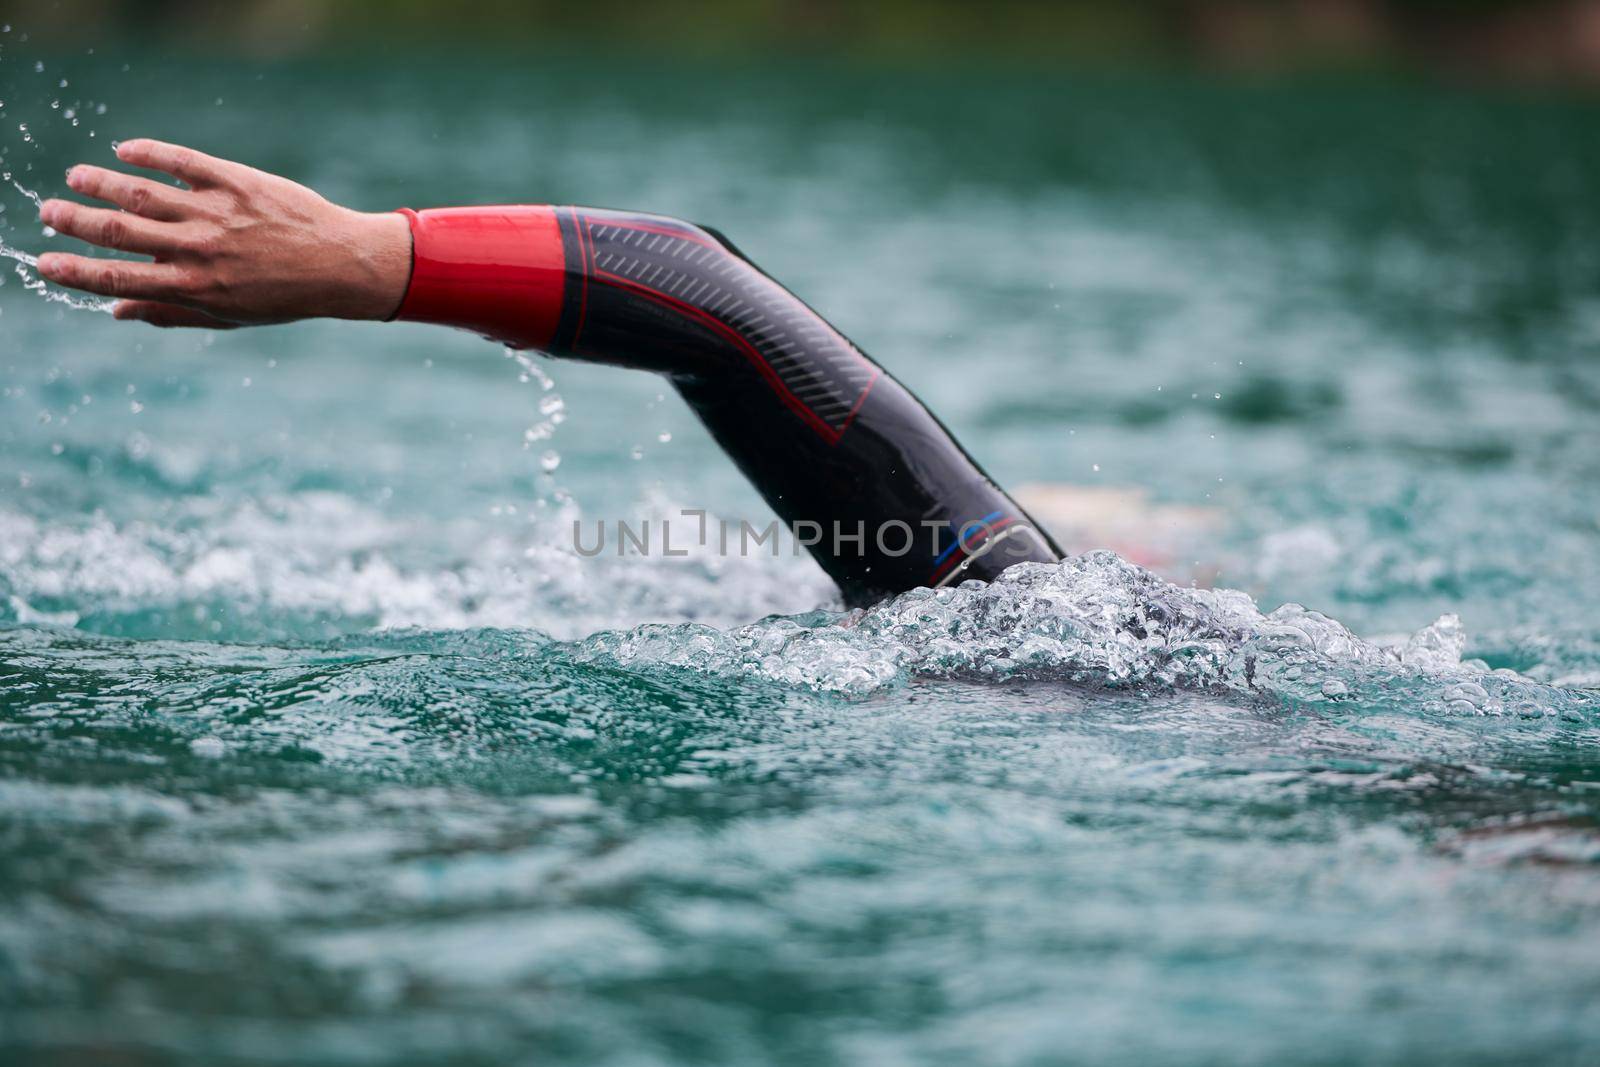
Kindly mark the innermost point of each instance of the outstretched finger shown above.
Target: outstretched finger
(115, 277)
(196, 168)
(107, 228)
(168, 315)
(141, 196)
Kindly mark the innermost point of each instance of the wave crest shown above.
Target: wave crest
(1094, 620)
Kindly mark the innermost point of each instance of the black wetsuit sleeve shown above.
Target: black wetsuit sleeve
(881, 493)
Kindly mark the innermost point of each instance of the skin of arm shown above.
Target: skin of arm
(237, 247)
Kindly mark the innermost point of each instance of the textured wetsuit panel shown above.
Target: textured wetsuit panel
(844, 454)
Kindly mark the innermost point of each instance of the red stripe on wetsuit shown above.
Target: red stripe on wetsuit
(498, 271)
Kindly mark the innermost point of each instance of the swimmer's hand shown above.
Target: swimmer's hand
(237, 247)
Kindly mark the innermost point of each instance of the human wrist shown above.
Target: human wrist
(375, 266)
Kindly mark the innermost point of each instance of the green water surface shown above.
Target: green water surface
(319, 746)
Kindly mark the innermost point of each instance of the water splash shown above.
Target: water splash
(552, 412)
(308, 564)
(1095, 620)
(26, 267)
(38, 201)
(24, 264)
(552, 407)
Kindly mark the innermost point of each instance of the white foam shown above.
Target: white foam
(323, 555)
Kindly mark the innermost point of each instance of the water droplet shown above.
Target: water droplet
(135, 407)
(663, 437)
(550, 461)
(636, 452)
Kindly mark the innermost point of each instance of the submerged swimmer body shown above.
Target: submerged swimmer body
(878, 489)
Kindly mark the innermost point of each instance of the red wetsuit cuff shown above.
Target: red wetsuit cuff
(498, 271)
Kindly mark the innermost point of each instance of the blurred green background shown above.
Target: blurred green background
(1519, 40)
